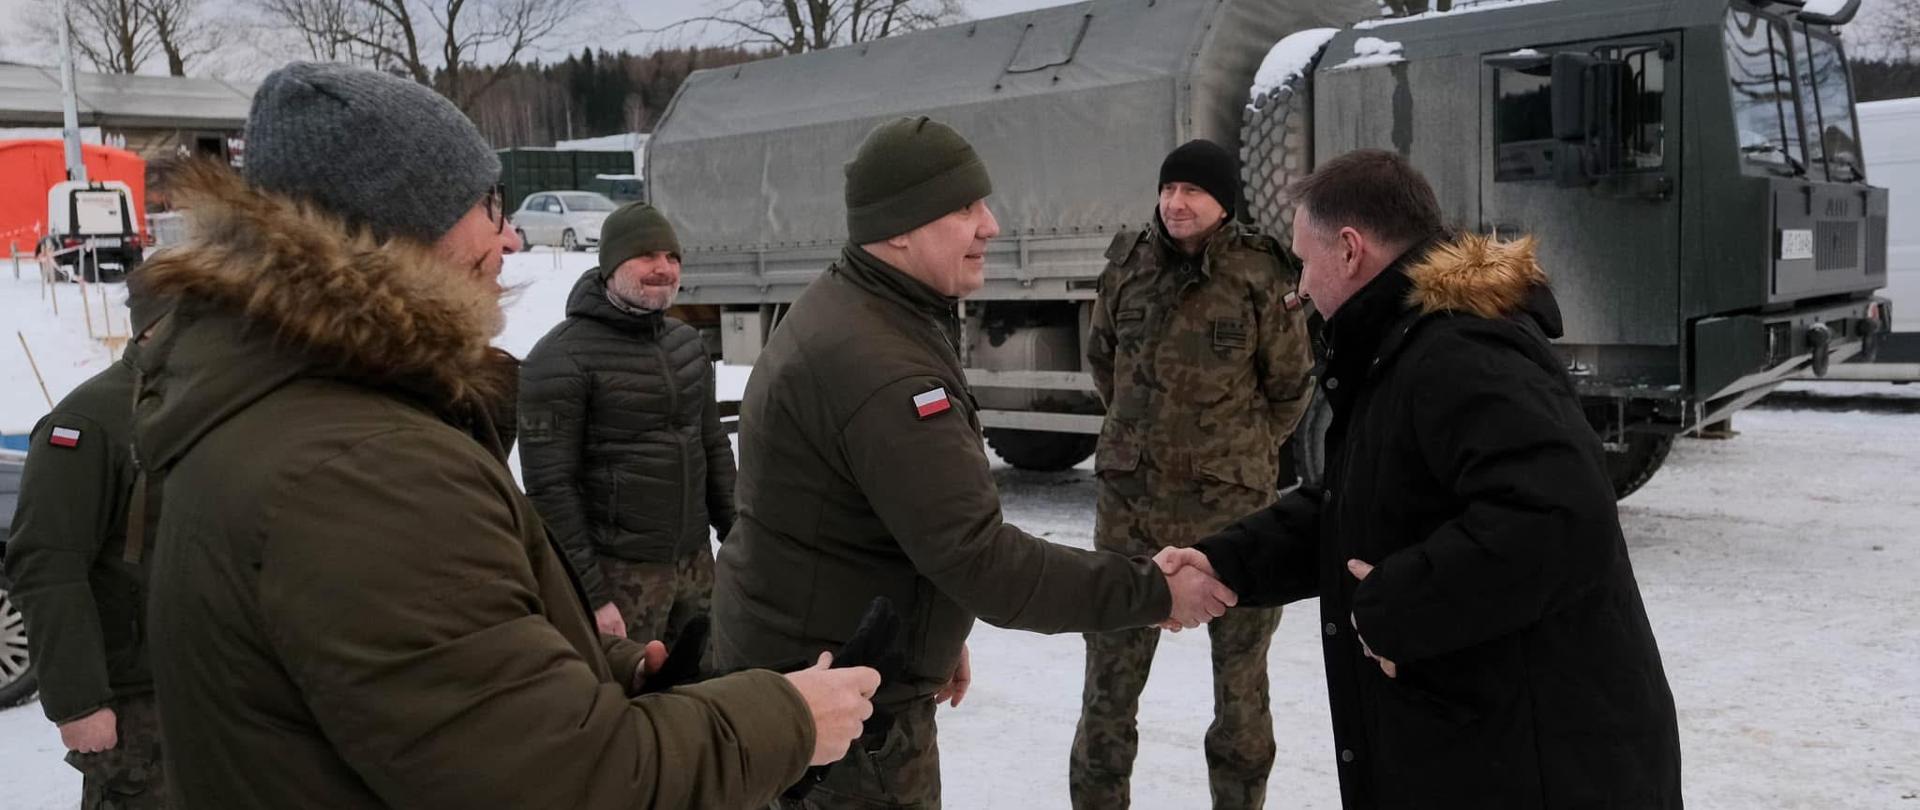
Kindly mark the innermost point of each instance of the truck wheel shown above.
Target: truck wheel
(1276, 149)
(17, 680)
(1041, 451)
(1633, 467)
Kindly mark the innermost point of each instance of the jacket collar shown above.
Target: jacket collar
(1171, 256)
(589, 299)
(868, 272)
(1466, 275)
(270, 289)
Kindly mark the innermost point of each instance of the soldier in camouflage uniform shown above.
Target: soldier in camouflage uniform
(1200, 350)
(78, 561)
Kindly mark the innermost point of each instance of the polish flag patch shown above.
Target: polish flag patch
(932, 403)
(64, 437)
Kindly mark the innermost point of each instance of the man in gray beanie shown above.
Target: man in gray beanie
(352, 603)
(863, 477)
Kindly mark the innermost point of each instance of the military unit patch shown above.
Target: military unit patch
(1229, 333)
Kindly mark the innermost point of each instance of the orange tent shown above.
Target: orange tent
(29, 169)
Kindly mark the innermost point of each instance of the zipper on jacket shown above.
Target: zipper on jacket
(673, 425)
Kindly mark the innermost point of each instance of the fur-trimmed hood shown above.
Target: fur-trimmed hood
(270, 289)
(1481, 275)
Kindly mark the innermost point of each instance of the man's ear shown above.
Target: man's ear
(1355, 246)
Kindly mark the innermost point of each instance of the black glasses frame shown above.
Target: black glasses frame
(496, 208)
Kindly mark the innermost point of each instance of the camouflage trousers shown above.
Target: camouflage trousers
(656, 600)
(1140, 513)
(898, 772)
(130, 775)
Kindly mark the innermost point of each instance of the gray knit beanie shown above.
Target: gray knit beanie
(379, 151)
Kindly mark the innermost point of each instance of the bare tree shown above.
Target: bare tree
(1896, 29)
(798, 26)
(183, 30)
(111, 35)
(438, 43)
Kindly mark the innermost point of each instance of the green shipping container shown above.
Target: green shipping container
(530, 170)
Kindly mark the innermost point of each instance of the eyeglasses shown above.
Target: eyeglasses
(496, 208)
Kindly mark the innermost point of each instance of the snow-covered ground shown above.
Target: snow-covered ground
(1778, 566)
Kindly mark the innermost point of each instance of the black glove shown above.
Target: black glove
(878, 642)
(683, 660)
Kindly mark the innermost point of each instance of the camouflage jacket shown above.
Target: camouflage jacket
(1203, 362)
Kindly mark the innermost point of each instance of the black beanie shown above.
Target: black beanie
(1207, 165)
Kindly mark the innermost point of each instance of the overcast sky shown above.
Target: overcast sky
(246, 62)
(17, 43)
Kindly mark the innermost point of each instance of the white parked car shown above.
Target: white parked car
(569, 219)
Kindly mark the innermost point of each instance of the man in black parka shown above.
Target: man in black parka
(621, 445)
(1485, 641)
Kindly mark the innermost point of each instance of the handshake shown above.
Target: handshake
(1198, 596)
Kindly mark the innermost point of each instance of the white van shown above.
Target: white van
(1890, 137)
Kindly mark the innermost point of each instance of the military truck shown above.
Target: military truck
(1702, 251)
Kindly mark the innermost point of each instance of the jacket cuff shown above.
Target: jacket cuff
(768, 716)
(623, 657)
(70, 716)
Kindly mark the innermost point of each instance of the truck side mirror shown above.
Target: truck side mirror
(1587, 117)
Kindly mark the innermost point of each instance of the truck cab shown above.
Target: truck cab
(1702, 252)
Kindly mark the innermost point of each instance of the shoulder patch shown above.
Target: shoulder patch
(932, 403)
(64, 437)
(1123, 242)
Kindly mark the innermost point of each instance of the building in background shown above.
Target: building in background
(154, 117)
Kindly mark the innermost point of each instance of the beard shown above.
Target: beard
(632, 292)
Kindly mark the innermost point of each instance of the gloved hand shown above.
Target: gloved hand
(683, 659)
(876, 643)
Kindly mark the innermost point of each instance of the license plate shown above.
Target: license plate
(106, 242)
(1796, 244)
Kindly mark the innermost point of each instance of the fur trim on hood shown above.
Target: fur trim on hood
(1477, 274)
(386, 313)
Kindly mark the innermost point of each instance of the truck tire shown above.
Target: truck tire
(1276, 149)
(1041, 451)
(17, 679)
(1632, 468)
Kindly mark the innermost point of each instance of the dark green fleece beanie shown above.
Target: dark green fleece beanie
(635, 229)
(909, 172)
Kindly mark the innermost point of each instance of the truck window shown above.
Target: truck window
(1644, 128)
(1525, 148)
(1759, 65)
(1827, 110)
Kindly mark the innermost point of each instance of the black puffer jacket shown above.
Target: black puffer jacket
(621, 446)
(1460, 464)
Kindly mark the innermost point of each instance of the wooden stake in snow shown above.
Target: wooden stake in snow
(86, 306)
(36, 367)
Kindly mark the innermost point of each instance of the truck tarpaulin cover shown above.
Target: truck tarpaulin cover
(749, 157)
(28, 169)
